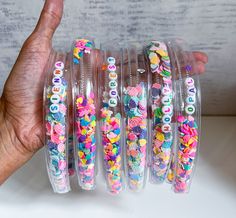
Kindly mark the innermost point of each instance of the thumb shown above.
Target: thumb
(50, 18)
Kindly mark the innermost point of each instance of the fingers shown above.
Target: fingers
(201, 60)
(195, 59)
(200, 67)
(50, 18)
(200, 56)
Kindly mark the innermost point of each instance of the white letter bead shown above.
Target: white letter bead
(56, 89)
(58, 72)
(166, 100)
(111, 67)
(166, 91)
(167, 110)
(54, 108)
(190, 109)
(166, 128)
(113, 84)
(111, 60)
(55, 99)
(112, 102)
(191, 90)
(59, 65)
(113, 76)
(56, 80)
(190, 100)
(166, 119)
(113, 93)
(189, 82)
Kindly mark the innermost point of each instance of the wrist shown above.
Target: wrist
(12, 155)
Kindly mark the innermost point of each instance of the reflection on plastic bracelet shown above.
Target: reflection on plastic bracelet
(56, 132)
(188, 139)
(71, 161)
(171, 171)
(162, 110)
(135, 103)
(111, 130)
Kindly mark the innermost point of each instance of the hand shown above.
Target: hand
(21, 112)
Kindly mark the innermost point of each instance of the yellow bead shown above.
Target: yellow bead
(93, 123)
(62, 138)
(80, 154)
(83, 161)
(170, 176)
(83, 131)
(162, 53)
(76, 53)
(160, 136)
(142, 142)
(118, 159)
(79, 100)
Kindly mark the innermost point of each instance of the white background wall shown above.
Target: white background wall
(208, 25)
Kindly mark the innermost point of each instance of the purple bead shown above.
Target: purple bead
(132, 104)
(137, 129)
(156, 92)
(162, 166)
(51, 145)
(113, 157)
(82, 138)
(191, 124)
(84, 102)
(188, 68)
(89, 161)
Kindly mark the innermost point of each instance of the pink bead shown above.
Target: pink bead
(59, 129)
(132, 91)
(156, 85)
(61, 148)
(62, 164)
(132, 136)
(62, 108)
(190, 118)
(180, 119)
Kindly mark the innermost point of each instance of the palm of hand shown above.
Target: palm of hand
(23, 94)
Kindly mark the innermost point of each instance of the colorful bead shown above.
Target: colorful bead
(86, 140)
(111, 141)
(135, 106)
(186, 154)
(81, 47)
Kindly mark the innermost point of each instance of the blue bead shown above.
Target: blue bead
(75, 60)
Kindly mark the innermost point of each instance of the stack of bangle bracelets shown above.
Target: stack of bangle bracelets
(110, 118)
(140, 104)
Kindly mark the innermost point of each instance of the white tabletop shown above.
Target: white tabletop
(28, 193)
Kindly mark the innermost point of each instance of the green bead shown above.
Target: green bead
(158, 112)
